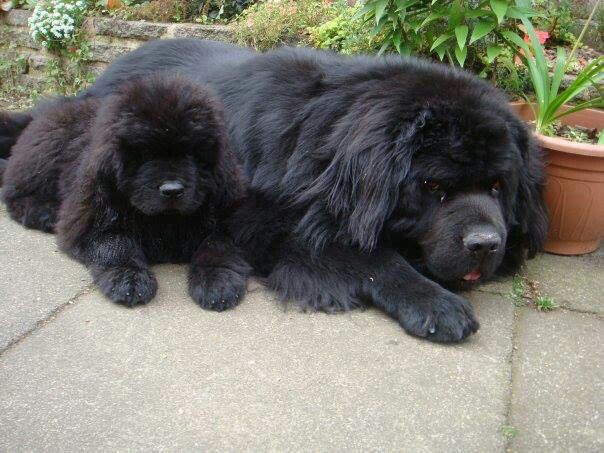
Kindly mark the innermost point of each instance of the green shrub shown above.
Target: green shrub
(557, 19)
(68, 72)
(270, 24)
(457, 29)
(343, 33)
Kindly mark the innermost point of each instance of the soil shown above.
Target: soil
(575, 133)
(583, 56)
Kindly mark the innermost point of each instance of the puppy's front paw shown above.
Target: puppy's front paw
(442, 317)
(127, 285)
(217, 288)
(42, 218)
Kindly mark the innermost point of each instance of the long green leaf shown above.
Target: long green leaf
(538, 55)
(558, 72)
(442, 38)
(537, 78)
(593, 103)
(364, 10)
(461, 33)
(499, 7)
(430, 18)
(493, 52)
(481, 29)
(380, 8)
(460, 55)
(591, 75)
(440, 51)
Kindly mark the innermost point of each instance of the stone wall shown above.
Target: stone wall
(109, 38)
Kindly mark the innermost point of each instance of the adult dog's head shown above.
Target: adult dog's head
(160, 144)
(427, 160)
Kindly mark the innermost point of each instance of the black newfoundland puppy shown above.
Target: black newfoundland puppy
(143, 176)
(381, 181)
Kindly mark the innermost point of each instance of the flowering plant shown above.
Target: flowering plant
(55, 21)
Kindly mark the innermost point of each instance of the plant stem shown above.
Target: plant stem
(580, 38)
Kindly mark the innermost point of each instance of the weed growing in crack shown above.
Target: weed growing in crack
(509, 431)
(526, 291)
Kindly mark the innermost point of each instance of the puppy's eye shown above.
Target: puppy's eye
(496, 187)
(431, 186)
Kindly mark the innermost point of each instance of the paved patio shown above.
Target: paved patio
(80, 373)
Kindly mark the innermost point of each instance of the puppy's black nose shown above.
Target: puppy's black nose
(171, 189)
(482, 242)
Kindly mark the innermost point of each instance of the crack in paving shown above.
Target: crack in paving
(49, 318)
(562, 305)
(512, 376)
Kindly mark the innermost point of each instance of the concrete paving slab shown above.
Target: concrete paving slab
(575, 282)
(558, 389)
(35, 278)
(172, 376)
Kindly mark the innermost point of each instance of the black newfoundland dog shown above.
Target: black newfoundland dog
(381, 181)
(143, 176)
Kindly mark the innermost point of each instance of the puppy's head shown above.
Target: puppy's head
(164, 141)
(436, 166)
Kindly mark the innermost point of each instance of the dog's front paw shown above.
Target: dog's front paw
(443, 317)
(216, 288)
(127, 285)
(43, 217)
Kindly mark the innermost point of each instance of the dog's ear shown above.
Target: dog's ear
(92, 204)
(230, 183)
(529, 217)
(358, 190)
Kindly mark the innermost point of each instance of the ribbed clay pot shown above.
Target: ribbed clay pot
(574, 190)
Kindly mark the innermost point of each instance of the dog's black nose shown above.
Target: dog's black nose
(482, 242)
(171, 189)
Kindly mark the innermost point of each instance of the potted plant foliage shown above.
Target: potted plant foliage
(574, 189)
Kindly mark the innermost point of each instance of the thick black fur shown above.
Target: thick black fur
(105, 175)
(11, 125)
(370, 177)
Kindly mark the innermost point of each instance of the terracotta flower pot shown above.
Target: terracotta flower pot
(574, 190)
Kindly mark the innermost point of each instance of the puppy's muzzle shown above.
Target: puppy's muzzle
(172, 189)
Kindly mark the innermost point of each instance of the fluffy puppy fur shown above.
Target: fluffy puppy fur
(143, 176)
(11, 125)
(374, 180)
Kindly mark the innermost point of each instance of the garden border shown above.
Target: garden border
(109, 38)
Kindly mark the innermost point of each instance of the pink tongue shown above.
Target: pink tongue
(471, 276)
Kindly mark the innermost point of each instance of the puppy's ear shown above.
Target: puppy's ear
(92, 205)
(530, 219)
(358, 190)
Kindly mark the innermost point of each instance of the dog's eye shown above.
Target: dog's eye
(432, 186)
(496, 187)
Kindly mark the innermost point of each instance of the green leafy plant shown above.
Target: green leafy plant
(518, 291)
(343, 33)
(545, 303)
(525, 291)
(549, 99)
(509, 431)
(557, 19)
(457, 29)
(69, 71)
